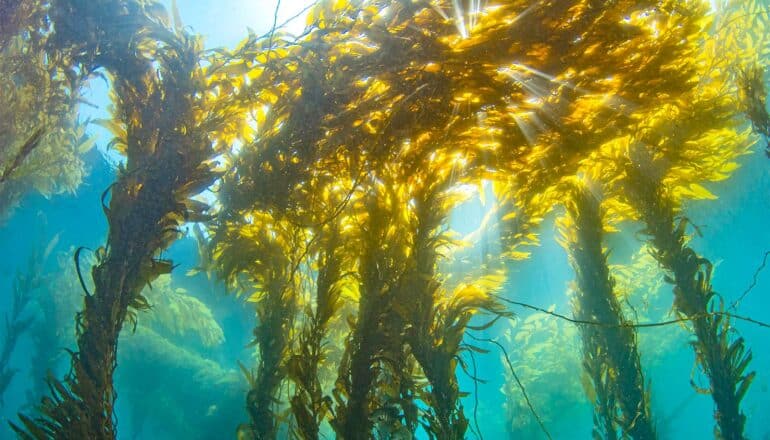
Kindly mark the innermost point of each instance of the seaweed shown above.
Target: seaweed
(610, 353)
(436, 320)
(42, 142)
(721, 355)
(18, 321)
(266, 251)
(754, 100)
(165, 136)
(310, 404)
(345, 149)
(176, 313)
(180, 389)
(375, 340)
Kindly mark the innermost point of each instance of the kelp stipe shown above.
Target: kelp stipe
(610, 353)
(436, 319)
(434, 337)
(163, 130)
(723, 357)
(310, 404)
(262, 259)
(382, 246)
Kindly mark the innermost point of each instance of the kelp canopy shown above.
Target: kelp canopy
(338, 155)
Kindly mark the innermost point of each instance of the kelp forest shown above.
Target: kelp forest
(397, 219)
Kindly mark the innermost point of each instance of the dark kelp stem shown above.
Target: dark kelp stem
(751, 81)
(167, 156)
(445, 413)
(610, 354)
(380, 268)
(267, 252)
(723, 359)
(275, 315)
(308, 404)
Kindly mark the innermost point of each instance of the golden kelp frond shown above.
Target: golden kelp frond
(741, 31)
(679, 100)
(260, 247)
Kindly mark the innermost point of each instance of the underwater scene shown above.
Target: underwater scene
(385, 219)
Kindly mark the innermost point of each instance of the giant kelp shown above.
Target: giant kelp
(209, 394)
(19, 321)
(723, 359)
(349, 98)
(41, 139)
(610, 353)
(347, 147)
(267, 253)
(163, 128)
(310, 403)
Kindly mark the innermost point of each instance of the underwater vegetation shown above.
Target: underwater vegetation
(41, 139)
(610, 354)
(171, 344)
(20, 321)
(332, 162)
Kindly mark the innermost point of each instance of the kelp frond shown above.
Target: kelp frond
(158, 99)
(610, 353)
(722, 357)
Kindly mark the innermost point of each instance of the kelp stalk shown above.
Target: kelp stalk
(275, 314)
(380, 267)
(309, 404)
(723, 359)
(754, 100)
(610, 353)
(434, 351)
(167, 152)
(263, 256)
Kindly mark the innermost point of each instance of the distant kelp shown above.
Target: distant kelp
(42, 141)
(186, 394)
(20, 320)
(176, 313)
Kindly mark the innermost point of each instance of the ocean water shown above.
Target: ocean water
(181, 368)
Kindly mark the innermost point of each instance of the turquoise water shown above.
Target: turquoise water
(183, 380)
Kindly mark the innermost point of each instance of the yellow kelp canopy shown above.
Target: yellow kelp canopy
(524, 93)
(374, 122)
